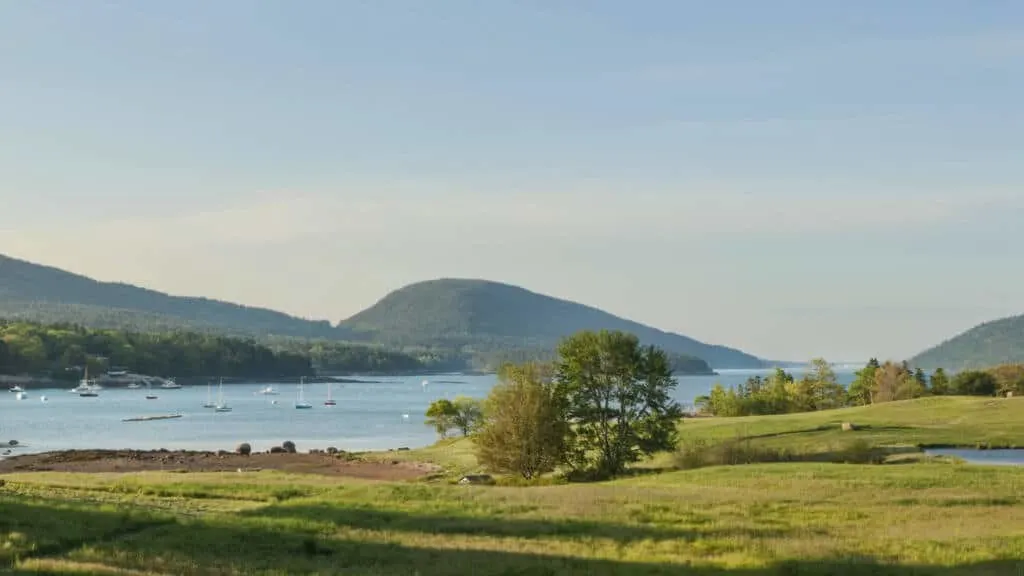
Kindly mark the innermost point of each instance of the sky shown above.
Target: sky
(791, 178)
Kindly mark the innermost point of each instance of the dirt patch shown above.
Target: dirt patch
(96, 461)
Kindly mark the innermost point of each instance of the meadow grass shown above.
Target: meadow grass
(788, 518)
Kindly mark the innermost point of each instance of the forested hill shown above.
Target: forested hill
(485, 315)
(44, 294)
(989, 344)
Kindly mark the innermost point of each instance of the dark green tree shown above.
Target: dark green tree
(617, 395)
(939, 385)
(468, 414)
(974, 383)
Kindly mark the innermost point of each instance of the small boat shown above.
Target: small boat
(209, 395)
(170, 384)
(221, 406)
(135, 385)
(151, 397)
(268, 391)
(21, 396)
(330, 401)
(16, 389)
(86, 388)
(301, 403)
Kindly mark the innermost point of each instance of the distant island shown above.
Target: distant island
(445, 325)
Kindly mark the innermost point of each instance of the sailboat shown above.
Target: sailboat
(330, 401)
(221, 405)
(209, 395)
(86, 388)
(149, 393)
(301, 403)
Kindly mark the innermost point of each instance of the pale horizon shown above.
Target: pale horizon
(794, 180)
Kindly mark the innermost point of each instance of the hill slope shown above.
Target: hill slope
(482, 314)
(41, 293)
(996, 342)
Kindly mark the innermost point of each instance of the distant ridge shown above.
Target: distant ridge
(461, 312)
(479, 320)
(43, 293)
(988, 344)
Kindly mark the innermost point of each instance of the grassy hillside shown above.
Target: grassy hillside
(942, 420)
(997, 342)
(813, 519)
(41, 293)
(488, 315)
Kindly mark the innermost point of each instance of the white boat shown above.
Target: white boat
(268, 391)
(209, 395)
(330, 401)
(16, 389)
(87, 388)
(170, 384)
(135, 385)
(21, 396)
(221, 406)
(301, 403)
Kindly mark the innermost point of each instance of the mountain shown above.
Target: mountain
(988, 344)
(483, 315)
(44, 294)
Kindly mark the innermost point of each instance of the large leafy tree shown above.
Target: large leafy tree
(523, 430)
(617, 396)
(441, 416)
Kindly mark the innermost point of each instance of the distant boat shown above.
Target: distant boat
(21, 396)
(268, 391)
(149, 394)
(330, 401)
(135, 385)
(221, 406)
(209, 395)
(87, 388)
(16, 389)
(170, 384)
(301, 403)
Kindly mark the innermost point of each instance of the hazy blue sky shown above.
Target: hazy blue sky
(792, 178)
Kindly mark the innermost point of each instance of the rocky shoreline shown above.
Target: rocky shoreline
(282, 458)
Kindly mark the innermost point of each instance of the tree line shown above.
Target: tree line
(819, 388)
(602, 404)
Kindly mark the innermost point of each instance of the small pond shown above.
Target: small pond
(1010, 457)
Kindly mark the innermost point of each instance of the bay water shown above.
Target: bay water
(374, 413)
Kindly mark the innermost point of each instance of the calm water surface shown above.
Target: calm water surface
(369, 415)
(1001, 457)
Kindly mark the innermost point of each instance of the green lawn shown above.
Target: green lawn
(793, 518)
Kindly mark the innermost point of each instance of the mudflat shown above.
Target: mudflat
(106, 461)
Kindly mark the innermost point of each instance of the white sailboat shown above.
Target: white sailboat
(209, 395)
(87, 388)
(301, 403)
(330, 401)
(221, 406)
(170, 384)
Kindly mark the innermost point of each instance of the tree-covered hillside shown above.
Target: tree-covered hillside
(484, 315)
(989, 344)
(44, 294)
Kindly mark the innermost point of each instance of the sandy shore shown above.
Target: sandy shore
(95, 461)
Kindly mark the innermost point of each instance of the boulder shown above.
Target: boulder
(12, 443)
(477, 479)
(288, 446)
(244, 449)
(849, 426)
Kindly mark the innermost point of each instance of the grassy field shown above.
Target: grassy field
(792, 518)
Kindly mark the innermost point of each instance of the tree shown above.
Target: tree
(890, 382)
(523, 430)
(441, 415)
(974, 383)
(468, 414)
(616, 394)
(939, 384)
(819, 389)
(862, 390)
